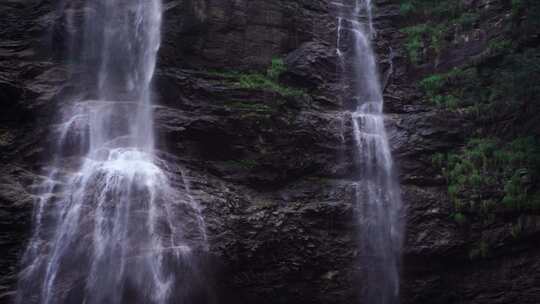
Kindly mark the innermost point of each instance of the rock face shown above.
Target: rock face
(272, 168)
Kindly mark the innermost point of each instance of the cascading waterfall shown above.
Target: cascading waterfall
(378, 195)
(113, 222)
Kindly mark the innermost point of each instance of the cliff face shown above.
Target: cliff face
(250, 106)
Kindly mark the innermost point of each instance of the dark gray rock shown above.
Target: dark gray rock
(273, 172)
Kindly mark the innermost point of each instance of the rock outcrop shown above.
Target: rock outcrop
(273, 167)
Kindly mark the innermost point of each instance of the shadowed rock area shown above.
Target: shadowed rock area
(271, 159)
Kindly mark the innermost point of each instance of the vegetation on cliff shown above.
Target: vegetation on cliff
(267, 81)
(488, 168)
(494, 86)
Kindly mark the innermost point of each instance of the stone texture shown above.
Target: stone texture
(273, 173)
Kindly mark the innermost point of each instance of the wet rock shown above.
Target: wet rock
(310, 65)
(274, 173)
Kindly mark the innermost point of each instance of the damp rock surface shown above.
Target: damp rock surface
(272, 164)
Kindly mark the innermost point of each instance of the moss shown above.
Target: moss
(433, 84)
(424, 36)
(436, 9)
(479, 250)
(224, 74)
(494, 87)
(264, 82)
(516, 229)
(253, 106)
(258, 81)
(247, 164)
(517, 77)
(499, 46)
(436, 20)
(415, 41)
(430, 21)
(530, 10)
(276, 68)
(459, 218)
(487, 206)
(6, 137)
(407, 8)
(517, 6)
(438, 159)
(467, 20)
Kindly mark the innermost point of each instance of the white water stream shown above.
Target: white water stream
(109, 227)
(378, 194)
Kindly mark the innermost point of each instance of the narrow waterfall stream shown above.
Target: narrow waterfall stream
(109, 225)
(378, 195)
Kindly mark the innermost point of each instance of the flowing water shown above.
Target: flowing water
(378, 195)
(113, 223)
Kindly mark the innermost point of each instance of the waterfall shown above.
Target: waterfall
(113, 222)
(377, 190)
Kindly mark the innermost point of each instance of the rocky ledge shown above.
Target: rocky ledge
(271, 160)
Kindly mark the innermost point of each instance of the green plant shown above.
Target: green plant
(486, 206)
(516, 229)
(438, 159)
(250, 106)
(499, 46)
(247, 164)
(487, 163)
(277, 68)
(503, 90)
(479, 250)
(449, 90)
(517, 76)
(424, 36)
(515, 194)
(459, 218)
(258, 81)
(415, 43)
(432, 84)
(436, 36)
(467, 20)
(406, 8)
(530, 9)
(436, 9)
(224, 74)
(517, 5)
(438, 21)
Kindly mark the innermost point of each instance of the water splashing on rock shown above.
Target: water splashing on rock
(113, 222)
(377, 190)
